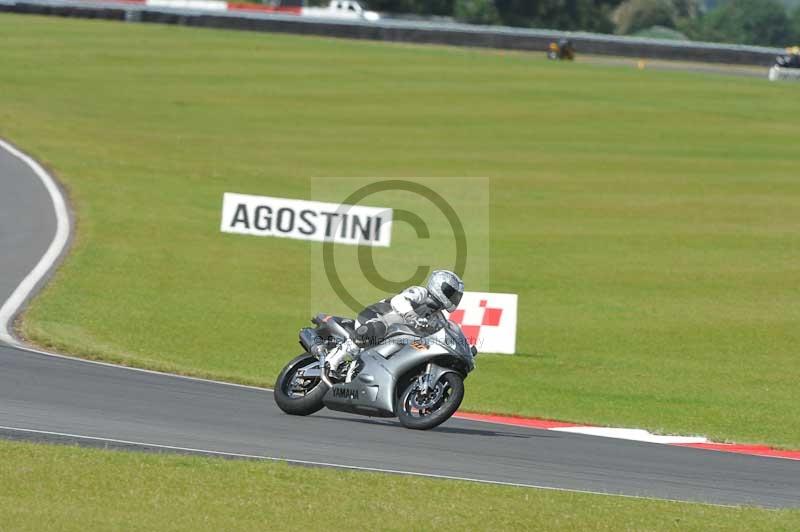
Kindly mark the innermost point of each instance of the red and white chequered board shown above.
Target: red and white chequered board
(489, 321)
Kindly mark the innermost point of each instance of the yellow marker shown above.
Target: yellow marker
(641, 64)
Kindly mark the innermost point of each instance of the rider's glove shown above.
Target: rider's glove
(415, 320)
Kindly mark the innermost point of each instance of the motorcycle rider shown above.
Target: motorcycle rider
(416, 306)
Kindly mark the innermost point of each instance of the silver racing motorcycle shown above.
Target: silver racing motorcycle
(412, 374)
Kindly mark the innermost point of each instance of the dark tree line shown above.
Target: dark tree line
(590, 15)
(419, 7)
(763, 22)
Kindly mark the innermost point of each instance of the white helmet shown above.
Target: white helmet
(446, 289)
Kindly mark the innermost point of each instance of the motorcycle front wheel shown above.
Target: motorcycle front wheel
(298, 395)
(423, 411)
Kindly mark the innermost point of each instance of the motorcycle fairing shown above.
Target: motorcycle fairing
(373, 391)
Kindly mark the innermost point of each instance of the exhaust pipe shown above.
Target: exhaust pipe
(310, 340)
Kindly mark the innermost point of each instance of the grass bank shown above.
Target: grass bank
(105, 490)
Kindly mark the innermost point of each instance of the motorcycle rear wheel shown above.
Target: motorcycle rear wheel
(419, 412)
(299, 400)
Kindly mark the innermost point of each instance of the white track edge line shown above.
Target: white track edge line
(57, 245)
(353, 467)
(20, 295)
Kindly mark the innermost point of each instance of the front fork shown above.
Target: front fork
(424, 380)
(323, 372)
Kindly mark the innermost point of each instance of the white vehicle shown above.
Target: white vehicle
(777, 73)
(342, 9)
(787, 66)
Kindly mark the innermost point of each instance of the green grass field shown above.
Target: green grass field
(102, 490)
(649, 221)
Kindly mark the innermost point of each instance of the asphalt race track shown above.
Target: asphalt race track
(51, 398)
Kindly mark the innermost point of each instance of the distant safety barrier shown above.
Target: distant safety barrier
(233, 15)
